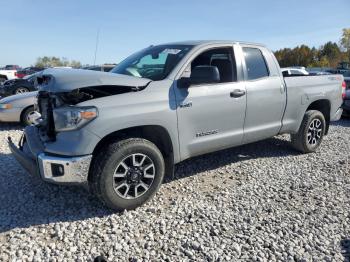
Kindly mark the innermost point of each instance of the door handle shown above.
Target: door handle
(237, 93)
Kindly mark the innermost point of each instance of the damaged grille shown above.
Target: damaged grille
(45, 106)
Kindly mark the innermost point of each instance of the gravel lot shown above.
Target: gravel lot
(260, 202)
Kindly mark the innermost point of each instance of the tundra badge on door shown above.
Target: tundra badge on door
(186, 104)
(207, 133)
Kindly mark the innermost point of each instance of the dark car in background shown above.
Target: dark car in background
(346, 104)
(343, 68)
(28, 71)
(11, 67)
(18, 86)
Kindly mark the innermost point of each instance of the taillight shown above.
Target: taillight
(343, 85)
(15, 73)
(21, 75)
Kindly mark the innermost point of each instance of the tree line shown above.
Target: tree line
(328, 55)
(53, 61)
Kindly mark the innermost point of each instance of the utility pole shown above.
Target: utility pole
(97, 39)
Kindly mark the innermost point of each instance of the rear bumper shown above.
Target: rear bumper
(337, 115)
(50, 168)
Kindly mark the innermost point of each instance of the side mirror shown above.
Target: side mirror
(205, 75)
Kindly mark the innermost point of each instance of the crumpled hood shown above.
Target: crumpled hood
(65, 80)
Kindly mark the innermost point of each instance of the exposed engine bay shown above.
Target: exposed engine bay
(47, 102)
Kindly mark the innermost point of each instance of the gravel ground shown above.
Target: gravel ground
(259, 202)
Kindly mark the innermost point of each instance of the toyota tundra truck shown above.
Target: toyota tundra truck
(120, 133)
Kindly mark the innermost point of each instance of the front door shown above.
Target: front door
(211, 116)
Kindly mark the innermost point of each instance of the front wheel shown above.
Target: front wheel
(26, 117)
(127, 174)
(311, 132)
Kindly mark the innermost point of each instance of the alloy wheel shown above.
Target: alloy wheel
(314, 133)
(134, 176)
(21, 90)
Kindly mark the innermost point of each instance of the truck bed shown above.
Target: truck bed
(303, 90)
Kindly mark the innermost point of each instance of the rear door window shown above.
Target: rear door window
(255, 63)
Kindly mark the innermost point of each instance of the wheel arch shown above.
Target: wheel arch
(324, 106)
(156, 134)
(23, 111)
(4, 76)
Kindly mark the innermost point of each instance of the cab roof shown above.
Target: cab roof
(211, 42)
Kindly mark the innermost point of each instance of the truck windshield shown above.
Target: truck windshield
(155, 62)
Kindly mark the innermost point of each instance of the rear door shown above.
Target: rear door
(210, 116)
(266, 95)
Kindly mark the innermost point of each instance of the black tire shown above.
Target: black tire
(20, 90)
(301, 140)
(24, 116)
(2, 80)
(106, 163)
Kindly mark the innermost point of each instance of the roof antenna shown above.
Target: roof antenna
(97, 38)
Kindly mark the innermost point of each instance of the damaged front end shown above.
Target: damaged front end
(59, 111)
(45, 149)
(58, 99)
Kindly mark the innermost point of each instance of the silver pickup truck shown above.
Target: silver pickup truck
(120, 133)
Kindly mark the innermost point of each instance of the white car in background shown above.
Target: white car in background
(19, 108)
(7, 75)
(294, 71)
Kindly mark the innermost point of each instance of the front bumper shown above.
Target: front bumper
(50, 168)
(10, 115)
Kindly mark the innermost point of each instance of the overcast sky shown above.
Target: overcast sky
(66, 28)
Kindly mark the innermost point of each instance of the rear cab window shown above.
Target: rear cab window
(255, 63)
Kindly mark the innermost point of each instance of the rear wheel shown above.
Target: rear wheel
(128, 173)
(21, 90)
(311, 132)
(26, 116)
